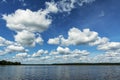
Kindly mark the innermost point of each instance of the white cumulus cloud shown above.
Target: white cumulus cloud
(54, 41)
(26, 23)
(10, 47)
(15, 48)
(99, 41)
(67, 51)
(39, 53)
(34, 21)
(25, 38)
(110, 46)
(22, 55)
(39, 40)
(4, 42)
(77, 37)
(61, 50)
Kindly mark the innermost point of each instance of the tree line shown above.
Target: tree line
(4, 62)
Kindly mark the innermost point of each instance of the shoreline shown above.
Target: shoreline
(65, 64)
(70, 64)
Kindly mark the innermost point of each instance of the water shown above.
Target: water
(59, 72)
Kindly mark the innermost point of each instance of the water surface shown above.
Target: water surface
(60, 72)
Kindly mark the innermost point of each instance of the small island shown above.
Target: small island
(4, 62)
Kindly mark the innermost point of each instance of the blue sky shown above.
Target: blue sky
(56, 31)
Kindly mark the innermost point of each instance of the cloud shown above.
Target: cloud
(69, 5)
(22, 55)
(27, 38)
(76, 37)
(108, 57)
(3, 1)
(39, 40)
(54, 41)
(21, 0)
(67, 51)
(36, 21)
(81, 52)
(2, 52)
(26, 23)
(45, 58)
(63, 54)
(102, 13)
(99, 41)
(24, 4)
(61, 50)
(10, 47)
(66, 55)
(15, 48)
(109, 46)
(81, 2)
(51, 7)
(40, 53)
(113, 53)
(111, 50)
(4, 42)
(65, 5)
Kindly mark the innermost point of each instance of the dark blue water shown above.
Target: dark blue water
(59, 72)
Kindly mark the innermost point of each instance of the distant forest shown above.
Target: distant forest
(86, 64)
(4, 62)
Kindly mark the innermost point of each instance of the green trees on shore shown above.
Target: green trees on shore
(4, 62)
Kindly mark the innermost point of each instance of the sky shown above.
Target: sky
(60, 31)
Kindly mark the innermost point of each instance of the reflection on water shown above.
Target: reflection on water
(59, 72)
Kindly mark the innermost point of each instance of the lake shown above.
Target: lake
(64, 72)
